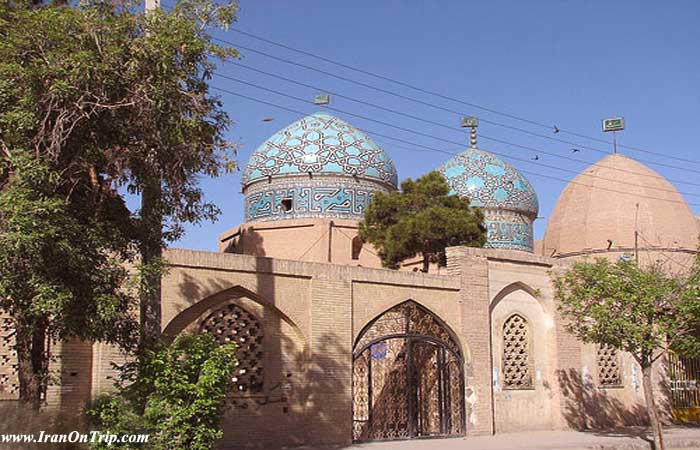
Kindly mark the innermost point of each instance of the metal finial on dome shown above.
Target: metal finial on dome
(471, 122)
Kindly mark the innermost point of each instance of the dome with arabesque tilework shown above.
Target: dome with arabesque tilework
(317, 167)
(507, 197)
(320, 144)
(489, 181)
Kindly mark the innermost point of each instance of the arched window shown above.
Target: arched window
(608, 366)
(517, 367)
(356, 247)
(9, 384)
(233, 324)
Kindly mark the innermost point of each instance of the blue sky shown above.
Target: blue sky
(564, 63)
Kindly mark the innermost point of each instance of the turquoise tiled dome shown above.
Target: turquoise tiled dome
(317, 167)
(509, 201)
(320, 144)
(490, 182)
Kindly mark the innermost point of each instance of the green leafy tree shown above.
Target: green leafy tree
(421, 219)
(113, 99)
(176, 395)
(62, 274)
(639, 310)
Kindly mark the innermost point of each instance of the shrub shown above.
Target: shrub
(175, 394)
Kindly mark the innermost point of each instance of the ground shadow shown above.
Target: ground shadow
(588, 408)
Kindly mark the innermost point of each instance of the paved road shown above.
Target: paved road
(625, 439)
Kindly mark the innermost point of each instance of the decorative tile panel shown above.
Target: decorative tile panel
(508, 230)
(320, 144)
(318, 198)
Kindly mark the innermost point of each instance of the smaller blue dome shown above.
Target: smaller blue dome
(320, 144)
(490, 182)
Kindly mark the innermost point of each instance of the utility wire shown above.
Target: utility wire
(393, 111)
(408, 130)
(662, 252)
(351, 239)
(452, 111)
(474, 105)
(301, 258)
(359, 83)
(370, 132)
(452, 99)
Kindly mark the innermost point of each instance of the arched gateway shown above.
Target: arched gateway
(408, 377)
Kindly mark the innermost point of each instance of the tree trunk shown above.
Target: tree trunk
(151, 252)
(651, 407)
(426, 262)
(32, 363)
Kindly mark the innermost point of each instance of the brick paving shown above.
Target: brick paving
(623, 439)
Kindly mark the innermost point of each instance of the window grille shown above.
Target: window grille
(9, 384)
(608, 366)
(233, 324)
(517, 372)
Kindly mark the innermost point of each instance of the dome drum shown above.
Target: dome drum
(318, 198)
(508, 230)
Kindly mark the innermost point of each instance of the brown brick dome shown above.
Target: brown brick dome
(605, 202)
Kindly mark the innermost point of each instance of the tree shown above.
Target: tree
(421, 219)
(639, 310)
(62, 274)
(175, 394)
(109, 98)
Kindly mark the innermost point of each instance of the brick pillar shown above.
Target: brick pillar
(476, 331)
(330, 368)
(569, 383)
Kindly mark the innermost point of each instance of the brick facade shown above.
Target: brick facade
(312, 313)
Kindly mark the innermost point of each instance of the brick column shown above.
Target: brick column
(476, 331)
(569, 385)
(330, 369)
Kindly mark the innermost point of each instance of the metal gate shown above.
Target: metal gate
(685, 387)
(408, 378)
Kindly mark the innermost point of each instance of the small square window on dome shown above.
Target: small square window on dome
(286, 204)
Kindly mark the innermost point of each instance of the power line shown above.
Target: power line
(452, 99)
(286, 61)
(662, 252)
(385, 91)
(555, 155)
(408, 130)
(549, 127)
(452, 111)
(370, 132)
(351, 239)
(301, 258)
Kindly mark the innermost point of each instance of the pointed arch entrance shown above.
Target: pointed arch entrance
(408, 377)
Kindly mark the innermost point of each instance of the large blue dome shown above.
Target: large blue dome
(317, 167)
(490, 182)
(320, 144)
(509, 201)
